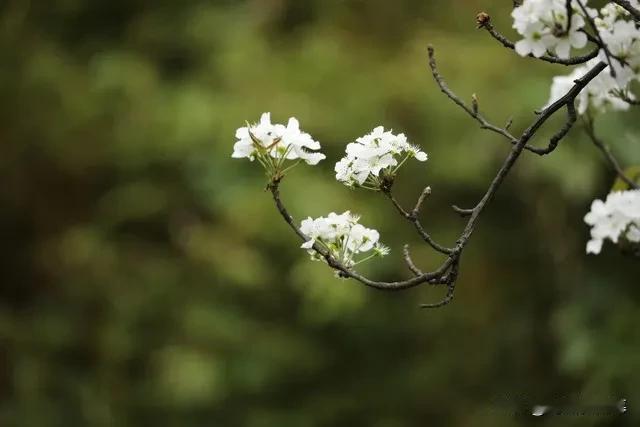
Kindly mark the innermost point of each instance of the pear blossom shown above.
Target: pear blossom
(343, 236)
(612, 12)
(617, 217)
(273, 144)
(527, 13)
(616, 28)
(598, 96)
(535, 41)
(622, 38)
(374, 156)
(543, 26)
(362, 239)
(574, 39)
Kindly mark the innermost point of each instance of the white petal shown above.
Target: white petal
(242, 148)
(361, 176)
(313, 158)
(242, 133)
(563, 48)
(523, 48)
(594, 246)
(421, 156)
(577, 21)
(265, 119)
(308, 244)
(539, 49)
(293, 125)
(578, 39)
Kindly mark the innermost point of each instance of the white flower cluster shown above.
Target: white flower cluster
(618, 216)
(618, 32)
(273, 144)
(543, 26)
(374, 156)
(343, 237)
(599, 95)
(622, 36)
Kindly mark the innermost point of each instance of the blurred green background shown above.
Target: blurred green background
(146, 278)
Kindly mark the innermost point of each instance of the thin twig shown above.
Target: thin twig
(461, 211)
(555, 139)
(448, 271)
(446, 300)
(626, 4)
(600, 42)
(425, 192)
(606, 151)
(407, 259)
(451, 287)
(571, 117)
(548, 58)
(625, 97)
(569, 8)
(484, 124)
(429, 277)
(517, 149)
(413, 218)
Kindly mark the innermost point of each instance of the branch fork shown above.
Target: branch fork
(447, 273)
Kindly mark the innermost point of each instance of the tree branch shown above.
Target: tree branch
(608, 155)
(433, 277)
(599, 40)
(555, 139)
(451, 287)
(626, 5)
(407, 259)
(447, 273)
(425, 192)
(413, 218)
(486, 24)
(517, 149)
(625, 97)
(569, 9)
(473, 112)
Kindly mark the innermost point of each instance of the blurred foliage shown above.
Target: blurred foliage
(148, 280)
(633, 173)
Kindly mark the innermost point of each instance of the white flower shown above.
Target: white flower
(374, 156)
(618, 32)
(342, 236)
(599, 95)
(594, 246)
(382, 250)
(618, 215)
(361, 239)
(574, 38)
(273, 144)
(633, 234)
(543, 26)
(260, 135)
(415, 151)
(535, 40)
(301, 144)
(623, 41)
(612, 12)
(313, 229)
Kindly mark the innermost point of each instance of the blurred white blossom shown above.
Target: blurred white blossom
(618, 32)
(622, 38)
(599, 95)
(618, 216)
